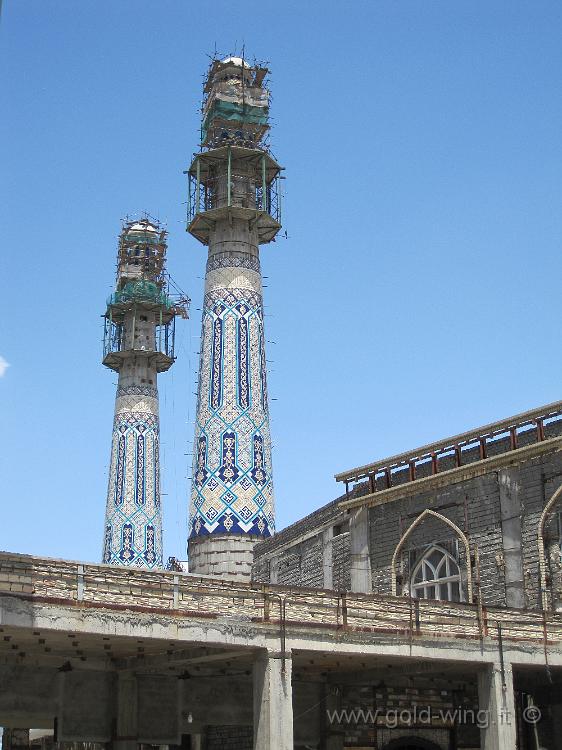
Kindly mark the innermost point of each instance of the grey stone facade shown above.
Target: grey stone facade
(498, 511)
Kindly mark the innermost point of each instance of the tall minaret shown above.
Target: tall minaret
(138, 344)
(233, 207)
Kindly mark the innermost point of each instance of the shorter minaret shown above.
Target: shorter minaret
(139, 334)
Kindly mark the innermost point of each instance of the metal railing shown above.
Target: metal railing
(453, 452)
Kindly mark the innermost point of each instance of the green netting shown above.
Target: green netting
(232, 111)
(141, 238)
(141, 291)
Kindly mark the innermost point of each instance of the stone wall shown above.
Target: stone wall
(476, 502)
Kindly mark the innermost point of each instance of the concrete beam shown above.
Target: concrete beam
(182, 658)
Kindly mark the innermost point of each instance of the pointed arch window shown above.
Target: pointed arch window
(437, 576)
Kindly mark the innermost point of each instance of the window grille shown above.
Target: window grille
(437, 576)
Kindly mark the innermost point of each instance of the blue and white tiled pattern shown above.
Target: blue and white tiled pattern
(232, 488)
(133, 521)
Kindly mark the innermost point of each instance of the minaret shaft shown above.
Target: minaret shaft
(133, 526)
(232, 496)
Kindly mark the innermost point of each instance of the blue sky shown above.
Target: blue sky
(416, 295)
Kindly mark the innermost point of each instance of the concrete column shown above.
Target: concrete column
(127, 726)
(327, 536)
(556, 713)
(499, 701)
(274, 570)
(196, 741)
(361, 581)
(333, 733)
(273, 703)
(510, 513)
(554, 565)
(15, 739)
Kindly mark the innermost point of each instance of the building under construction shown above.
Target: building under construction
(419, 610)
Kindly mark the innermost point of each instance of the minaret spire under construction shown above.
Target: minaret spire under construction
(233, 207)
(139, 335)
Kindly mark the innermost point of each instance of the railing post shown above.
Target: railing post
(80, 583)
(266, 606)
(434, 464)
(540, 430)
(482, 448)
(176, 591)
(264, 184)
(198, 186)
(228, 176)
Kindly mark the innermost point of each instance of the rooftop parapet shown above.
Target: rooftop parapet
(481, 444)
(86, 587)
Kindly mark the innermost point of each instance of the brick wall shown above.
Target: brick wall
(473, 506)
(229, 738)
(341, 574)
(297, 552)
(396, 705)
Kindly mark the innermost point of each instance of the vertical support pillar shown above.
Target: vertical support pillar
(274, 570)
(327, 557)
(229, 178)
(361, 581)
(273, 703)
(554, 565)
(334, 734)
(127, 727)
(15, 739)
(496, 697)
(198, 187)
(265, 207)
(510, 513)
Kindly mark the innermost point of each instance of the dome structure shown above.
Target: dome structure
(142, 226)
(238, 61)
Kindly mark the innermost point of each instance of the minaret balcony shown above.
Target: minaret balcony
(159, 360)
(135, 335)
(233, 182)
